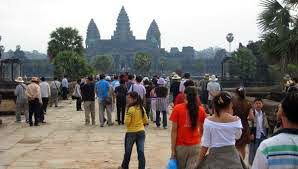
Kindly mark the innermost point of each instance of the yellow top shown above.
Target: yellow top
(134, 120)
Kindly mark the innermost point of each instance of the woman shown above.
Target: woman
(135, 119)
(77, 94)
(220, 133)
(148, 86)
(243, 109)
(187, 128)
(161, 103)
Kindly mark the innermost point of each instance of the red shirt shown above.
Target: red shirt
(180, 99)
(185, 135)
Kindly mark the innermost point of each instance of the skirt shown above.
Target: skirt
(161, 104)
(226, 157)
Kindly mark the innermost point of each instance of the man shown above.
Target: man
(203, 89)
(115, 82)
(280, 151)
(88, 97)
(45, 94)
(185, 78)
(139, 88)
(55, 90)
(22, 100)
(213, 88)
(64, 88)
(174, 89)
(35, 101)
(130, 81)
(104, 95)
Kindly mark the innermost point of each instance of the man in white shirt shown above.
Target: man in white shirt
(45, 94)
(185, 78)
(139, 88)
(213, 88)
(64, 88)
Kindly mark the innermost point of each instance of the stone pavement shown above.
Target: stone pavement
(64, 142)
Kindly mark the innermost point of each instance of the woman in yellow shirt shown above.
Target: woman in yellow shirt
(135, 119)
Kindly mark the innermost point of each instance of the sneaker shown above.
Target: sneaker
(111, 124)
(101, 125)
(36, 124)
(165, 127)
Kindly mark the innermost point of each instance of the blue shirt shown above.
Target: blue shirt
(102, 89)
(115, 84)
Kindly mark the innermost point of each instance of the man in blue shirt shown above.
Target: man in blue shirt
(104, 95)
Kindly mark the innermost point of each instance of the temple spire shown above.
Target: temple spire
(153, 34)
(123, 32)
(93, 34)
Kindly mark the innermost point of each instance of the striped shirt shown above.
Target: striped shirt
(278, 152)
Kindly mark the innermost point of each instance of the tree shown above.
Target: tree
(63, 39)
(243, 63)
(103, 64)
(277, 24)
(72, 64)
(142, 62)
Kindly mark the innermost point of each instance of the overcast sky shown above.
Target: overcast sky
(197, 23)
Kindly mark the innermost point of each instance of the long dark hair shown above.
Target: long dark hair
(240, 91)
(193, 110)
(138, 102)
(221, 101)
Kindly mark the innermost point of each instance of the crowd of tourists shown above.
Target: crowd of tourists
(210, 128)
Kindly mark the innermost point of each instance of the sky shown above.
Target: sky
(197, 23)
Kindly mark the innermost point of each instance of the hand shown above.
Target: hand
(173, 155)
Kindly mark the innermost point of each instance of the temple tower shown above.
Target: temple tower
(153, 34)
(92, 35)
(123, 32)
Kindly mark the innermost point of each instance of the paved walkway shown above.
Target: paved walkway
(66, 143)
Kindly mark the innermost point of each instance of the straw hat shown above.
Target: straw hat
(176, 77)
(161, 81)
(34, 79)
(213, 78)
(287, 77)
(19, 80)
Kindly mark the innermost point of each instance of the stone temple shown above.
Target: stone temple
(123, 45)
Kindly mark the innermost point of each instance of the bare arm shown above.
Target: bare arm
(173, 139)
(251, 115)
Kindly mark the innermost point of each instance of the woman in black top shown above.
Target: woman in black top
(161, 102)
(121, 92)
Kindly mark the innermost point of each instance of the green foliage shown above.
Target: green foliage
(142, 62)
(72, 64)
(63, 39)
(103, 64)
(243, 63)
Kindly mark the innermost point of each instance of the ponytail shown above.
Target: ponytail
(192, 106)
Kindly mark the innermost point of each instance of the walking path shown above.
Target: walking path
(66, 143)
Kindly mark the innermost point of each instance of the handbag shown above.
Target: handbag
(107, 100)
(172, 164)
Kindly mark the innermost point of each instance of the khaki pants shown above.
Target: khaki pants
(102, 108)
(22, 108)
(89, 107)
(188, 156)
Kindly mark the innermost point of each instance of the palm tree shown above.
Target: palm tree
(277, 23)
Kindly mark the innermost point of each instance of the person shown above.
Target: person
(78, 95)
(104, 95)
(181, 96)
(135, 119)
(219, 136)
(21, 101)
(174, 89)
(243, 109)
(187, 128)
(161, 103)
(115, 82)
(139, 88)
(55, 91)
(64, 87)
(213, 88)
(148, 86)
(45, 94)
(35, 101)
(186, 77)
(121, 92)
(203, 89)
(130, 81)
(280, 151)
(259, 129)
(88, 97)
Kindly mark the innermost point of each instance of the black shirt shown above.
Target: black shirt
(161, 91)
(88, 93)
(121, 92)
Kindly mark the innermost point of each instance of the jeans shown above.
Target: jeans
(45, 102)
(164, 118)
(79, 104)
(130, 139)
(253, 148)
(148, 106)
(64, 93)
(121, 112)
(34, 109)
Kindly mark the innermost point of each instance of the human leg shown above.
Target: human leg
(164, 119)
(87, 112)
(101, 113)
(140, 141)
(18, 112)
(92, 110)
(109, 114)
(130, 139)
(157, 118)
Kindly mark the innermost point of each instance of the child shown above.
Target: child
(259, 128)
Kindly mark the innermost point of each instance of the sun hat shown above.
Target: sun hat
(19, 80)
(213, 78)
(161, 81)
(176, 77)
(108, 78)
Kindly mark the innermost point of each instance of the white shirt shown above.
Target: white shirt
(139, 88)
(45, 90)
(65, 83)
(55, 85)
(181, 86)
(221, 134)
(260, 127)
(213, 87)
